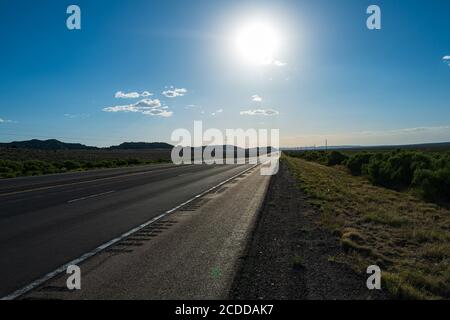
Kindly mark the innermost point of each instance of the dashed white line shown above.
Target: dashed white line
(91, 196)
(20, 292)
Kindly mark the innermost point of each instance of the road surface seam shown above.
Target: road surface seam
(20, 292)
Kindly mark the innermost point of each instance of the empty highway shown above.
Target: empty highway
(48, 221)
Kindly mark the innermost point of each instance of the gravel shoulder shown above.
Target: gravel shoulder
(291, 257)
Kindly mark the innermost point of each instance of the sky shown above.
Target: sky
(138, 70)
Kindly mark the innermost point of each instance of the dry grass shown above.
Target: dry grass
(408, 238)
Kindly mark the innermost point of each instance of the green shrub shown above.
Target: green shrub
(104, 164)
(357, 162)
(336, 158)
(433, 185)
(378, 171)
(134, 162)
(427, 172)
(121, 163)
(37, 167)
(71, 165)
(396, 169)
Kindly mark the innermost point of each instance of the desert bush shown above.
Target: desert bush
(396, 169)
(23, 162)
(357, 162)
(336, 158)
(121, 163)
(37, 167)
(433, 185)
(10, 169)
(134, 162)
(104, 164)
(426, 172)
(71, 165)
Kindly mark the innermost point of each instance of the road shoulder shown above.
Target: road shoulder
(291, 257)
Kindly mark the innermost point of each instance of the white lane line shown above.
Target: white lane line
(92, 196)
(20, 292)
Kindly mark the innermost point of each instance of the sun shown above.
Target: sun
(257, 42)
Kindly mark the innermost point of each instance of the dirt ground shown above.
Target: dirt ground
(291, 257)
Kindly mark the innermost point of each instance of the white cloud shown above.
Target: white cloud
(279, 63)
(260, 112)
(161, 112)
(132, 95)
(446, 60)
(256, 98)
(152, 107)
(5, 121)
(74, 116)
(146, 94)
(174, 92)
(217, 112)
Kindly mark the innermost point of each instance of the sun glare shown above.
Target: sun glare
(257, 43)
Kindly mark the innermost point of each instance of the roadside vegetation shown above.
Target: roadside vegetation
(27, 162)
(408, 238)
(426, 174)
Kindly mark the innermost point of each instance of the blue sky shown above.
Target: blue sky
(332, 78)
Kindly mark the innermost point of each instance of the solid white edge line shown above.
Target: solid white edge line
(20, 292)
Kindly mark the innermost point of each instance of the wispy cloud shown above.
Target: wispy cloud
(407, 130)
(174, 92)
(76, 116)
(6, 121)
(446, 60)
(279, 63)
(132, 95)
(256, 98)
(151, 107)
(260, 112)
(393, 136)
(217, 112)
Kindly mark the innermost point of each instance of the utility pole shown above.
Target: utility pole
(326, 145)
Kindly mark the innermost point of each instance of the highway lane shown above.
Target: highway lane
(44, 224)
(24, 183)
(194, 253)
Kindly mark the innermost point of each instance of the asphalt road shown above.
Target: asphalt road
(193, 253)
(48, 221)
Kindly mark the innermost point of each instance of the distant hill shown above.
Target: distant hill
(141, 146)
(58, 145)
(46, 145)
